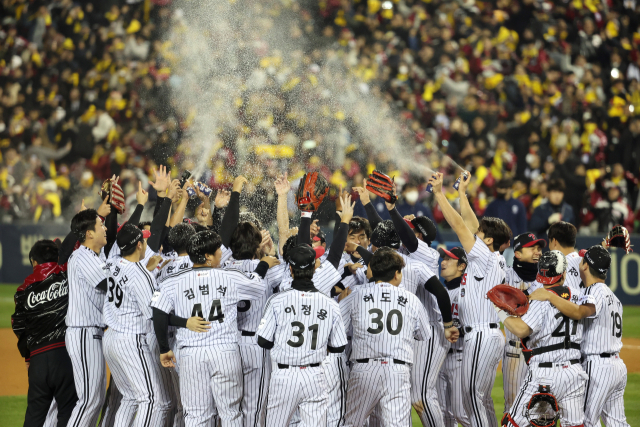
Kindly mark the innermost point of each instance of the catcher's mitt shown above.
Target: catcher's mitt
(311, 192)
(115, 195)
(619, 237)
(381, 185)
(509, 299)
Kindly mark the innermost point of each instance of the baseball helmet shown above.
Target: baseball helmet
(551, 267)
(543, 410)
(385, 234)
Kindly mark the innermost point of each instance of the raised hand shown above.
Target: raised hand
(464, 183)
(104, 209)
(173, 188)
(222, 199)
(266, 246)
(436, 182)
(283, 186)
(239, 183)
(162, 181)
(82, 207)
(347, 208)
(363, 193)
(315, 228)
(203, 215)
(141, 196)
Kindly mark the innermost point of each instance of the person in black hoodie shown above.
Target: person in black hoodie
(39, 323)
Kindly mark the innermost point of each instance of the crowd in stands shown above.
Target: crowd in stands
(539, 100)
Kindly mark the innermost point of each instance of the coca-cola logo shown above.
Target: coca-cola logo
(55, 291)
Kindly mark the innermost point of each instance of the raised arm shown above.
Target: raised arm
(340, 239)
(407, 236)
(159, 221)
(178, 214)
(282, 213)
(453, 218)
(372, 214)
(232, 214)
(469, 217)
(141, 197)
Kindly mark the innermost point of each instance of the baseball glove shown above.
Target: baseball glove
(619, 237)
(381, 185)
(509, 299)
(311, 192)
(115, 195)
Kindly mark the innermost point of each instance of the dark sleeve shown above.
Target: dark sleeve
(407, 236)
(337, 221)
(216, 216)
(66, 248)
(165, 234)
(337, 289)
(335, 349)
(304, 231)
(264, 343)
(158, 205)
(136, 215)
(177, 321)
(372, 215)
(262, 269)
(102, 285)
(438, 290)
(365, 254)
(111, 222)
(230, 219)
(158, 224)
(337, 246)
(160, 325)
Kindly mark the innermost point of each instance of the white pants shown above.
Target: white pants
(379, 381)
(450, 391)
(514, 371)
(137, 376)
(428, 359)
(89, 374)
(605, 391)
(52, 415)
(480, 358)
(256, 372)
(566, 382)
(303, 389)
(210, 377)
(337, 374)
(169, 386)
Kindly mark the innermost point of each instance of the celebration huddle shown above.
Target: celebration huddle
(213, 321)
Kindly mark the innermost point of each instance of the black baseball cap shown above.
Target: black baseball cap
(597, 257)
(526, 240)
(129, 236)
(425, 226)
(454, 253)
(385, 234)
(303, 257)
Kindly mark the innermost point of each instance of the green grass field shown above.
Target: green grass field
(12, 408)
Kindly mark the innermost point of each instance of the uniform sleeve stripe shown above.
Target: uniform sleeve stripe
(147, 276)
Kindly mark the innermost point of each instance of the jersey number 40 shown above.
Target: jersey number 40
(214, 314)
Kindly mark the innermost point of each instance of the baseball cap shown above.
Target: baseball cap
(385, 234)
(304, 257)
(597, 257)
(425, 226)
(129, 236)
(551, 267)
(454, 253)
(526, 240)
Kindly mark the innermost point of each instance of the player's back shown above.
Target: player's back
(174, 265)
(603, 330)
(130, 288)
(85, 270)
(414, 276)
(555, 336)
(213, 294)
(324, 278)
(426, 255)
(573, 280)
(385, 321)
(305, 323)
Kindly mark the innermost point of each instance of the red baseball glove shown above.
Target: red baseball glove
(509, 299)
(618, 237)
(311, 192)
(115, 195)
(381, 185)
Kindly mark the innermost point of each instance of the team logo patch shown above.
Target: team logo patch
(97, 337)
(203, 273)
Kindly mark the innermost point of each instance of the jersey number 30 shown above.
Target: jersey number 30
(376, 319)
(214, 314)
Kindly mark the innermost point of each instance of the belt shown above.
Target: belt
(606, 355)
(451, 351)
(551, 364)
(517, 344)
(283, 366)
(248, 334)
(468, 329)
(396, 361)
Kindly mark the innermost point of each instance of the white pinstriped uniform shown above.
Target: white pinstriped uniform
(385, 321)
(483, 345)
(301, 324)
(256, 364)
(324, 278)
(567, 381)
(127, 345)
(607, 375)
(174, 265)
(213, 294)
(84, 335)
(450, 377)
(514, 367)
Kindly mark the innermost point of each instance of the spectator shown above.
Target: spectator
(505, 207)
(553, 210)
(613, 210)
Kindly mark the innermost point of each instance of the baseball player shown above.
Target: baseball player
(601, 312)
(39, 324)
(483, 341)
(527, 251)
(562, 237)
(299, 326)
(454, 263)
(210, 364)
(87, 290)
(385, 319)
(128, 316)
(553, 352)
